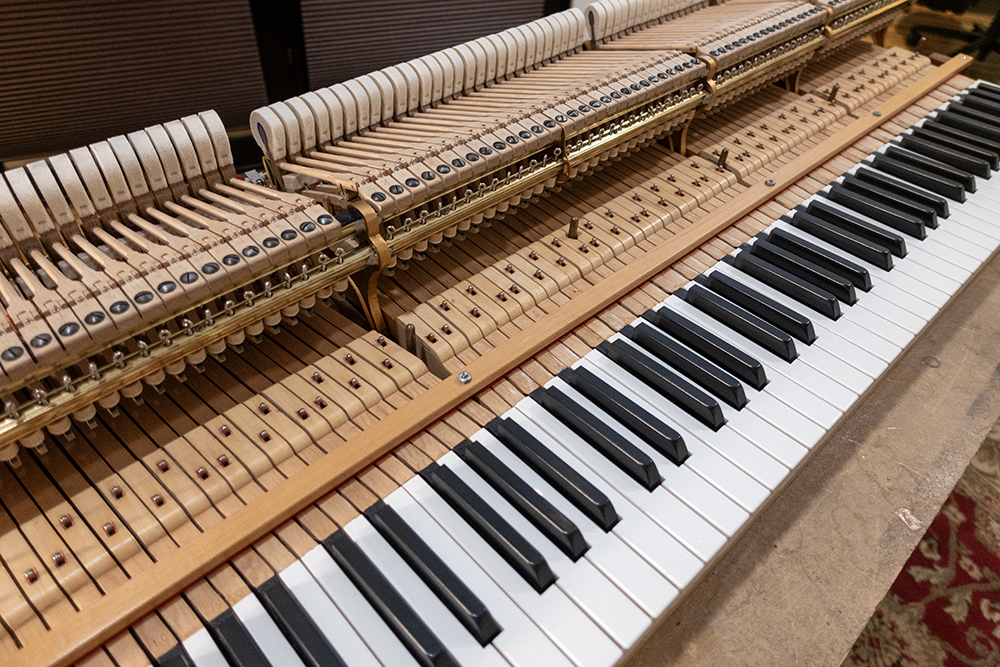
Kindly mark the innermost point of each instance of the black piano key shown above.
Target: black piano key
(983, 102)
(885, 182)
(935, 167)
(296, 624)
(961, 109)
(235, 642)
(726, 355)
(836, 285)
(855, 225)
(575, 487)
(959, 141)
(669, 384)
(661, 437)
(950, 156)
(877, 209)
(549, 520)
(852, 244)
(510, 544)
(453, 593)
(892, 199)
(831, 261)
(764, 307)
(630, 459)
(787, 283)
(411, 630)
(991, 149)
(907, 172)
(969, 125)
(175, 657)
(742, 321)
(688, 362)
(986, 86)
(983, 94)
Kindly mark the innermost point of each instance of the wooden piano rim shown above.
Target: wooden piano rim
(126, 605)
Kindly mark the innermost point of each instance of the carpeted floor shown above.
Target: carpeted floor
(944, 608)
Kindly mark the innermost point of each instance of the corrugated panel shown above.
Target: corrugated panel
(77, 72)
(354, 37)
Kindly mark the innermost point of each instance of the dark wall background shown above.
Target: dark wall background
(353, 37)
(77, 71)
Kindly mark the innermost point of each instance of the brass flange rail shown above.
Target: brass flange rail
(861, 15)
(127, 604)
(300, 280)
(304, 280)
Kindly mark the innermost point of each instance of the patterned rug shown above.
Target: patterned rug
(944, 608)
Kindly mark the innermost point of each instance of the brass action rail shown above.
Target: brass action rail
(140, 596)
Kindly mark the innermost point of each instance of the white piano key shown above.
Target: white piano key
(966, 240)
(681, 481)
(520, 641)
(458, 640)
(564, 623)
(327, 617)
(608, 552)
(916, 279)
(941, 260)
(985, 234)
(707, 461)
(605, 603)
(792, 384)
(846, 327)
(265, 633)
(974, 215)
(355, 608)
(751, 422)
(846, 353)
(721, 456)
(690, 529)
(926, 252)
(657, 546)
(203, 651)
(815, 373)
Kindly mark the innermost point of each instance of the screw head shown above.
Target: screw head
(465, 377)
(876, 113)
(769, 183)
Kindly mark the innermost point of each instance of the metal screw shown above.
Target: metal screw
(769, 183)
(876, 113)
(465, 377)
